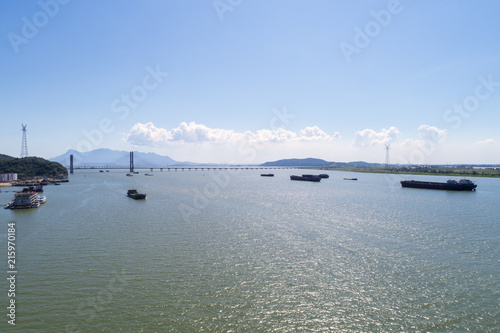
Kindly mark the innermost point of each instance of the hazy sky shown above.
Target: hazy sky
(253, 81)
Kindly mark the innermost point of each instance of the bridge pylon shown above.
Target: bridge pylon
(131, 161)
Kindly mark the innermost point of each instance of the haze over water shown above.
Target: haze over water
(256, 254)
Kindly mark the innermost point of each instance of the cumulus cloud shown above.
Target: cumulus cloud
(431, 133)
(193, 132)
(427, 134)
(369, 137)
(147, 135)
(314, 132)
(150, 135)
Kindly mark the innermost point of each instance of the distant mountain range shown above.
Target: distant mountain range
(113, 158)
(117, 158)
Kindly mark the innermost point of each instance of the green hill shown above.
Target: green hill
(29, 167)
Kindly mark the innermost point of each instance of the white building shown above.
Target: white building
(7, 177)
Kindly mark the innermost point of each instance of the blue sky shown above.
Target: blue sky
(252, 81)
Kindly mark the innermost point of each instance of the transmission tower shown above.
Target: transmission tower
(387, 160)
(24, 145)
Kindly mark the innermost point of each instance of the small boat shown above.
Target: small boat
(267, 174)
(42, 199)
(136, 172)
(147, 174)
(39, 189)
(101, 170)
(128, 175)
(350, 178)
(307, 178)
(132, 193)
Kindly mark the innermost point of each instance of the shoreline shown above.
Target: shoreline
(464, 173)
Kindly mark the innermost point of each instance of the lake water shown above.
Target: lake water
(219, 251)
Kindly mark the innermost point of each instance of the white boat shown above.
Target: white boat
(42, 199)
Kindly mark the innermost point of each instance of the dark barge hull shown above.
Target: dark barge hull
(439, 186)
(307, 178)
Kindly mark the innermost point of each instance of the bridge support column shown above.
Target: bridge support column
(131, 161)
(71, 163)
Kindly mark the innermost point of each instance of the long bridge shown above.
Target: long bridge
(176, 168)
(132, 167)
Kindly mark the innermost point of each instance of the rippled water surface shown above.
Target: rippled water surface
(219, 251)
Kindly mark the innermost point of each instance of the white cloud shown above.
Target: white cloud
(314, 133)
(369, 137)
(431, 133)
(487, 142)
(147, 135)
(193, 132)
(150, 135)
(427, 134)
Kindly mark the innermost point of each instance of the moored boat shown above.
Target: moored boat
(450, 185)
(27, 198)
(42, 199)
(267, 174)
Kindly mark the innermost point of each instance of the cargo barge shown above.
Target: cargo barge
(450, 185)
(307, 178)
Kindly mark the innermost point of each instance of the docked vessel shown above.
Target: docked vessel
(323, 175)
(450, 185)
(307, 178)
(267, 174)
(27, 198)
(42, 199)
(135, 195)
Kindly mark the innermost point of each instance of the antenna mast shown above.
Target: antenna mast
(24, 145)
